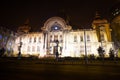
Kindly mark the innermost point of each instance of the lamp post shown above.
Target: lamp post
(86, 59)
(101, 41)
(56, 51)
(19, 49)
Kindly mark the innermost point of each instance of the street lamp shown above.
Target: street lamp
(86, 59)
(19, 49)
(56, 50)
(101, 41)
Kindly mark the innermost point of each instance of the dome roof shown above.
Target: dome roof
(98, 19)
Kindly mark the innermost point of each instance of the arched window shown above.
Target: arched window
(56, 27)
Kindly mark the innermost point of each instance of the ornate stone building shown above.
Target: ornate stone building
(59, 37)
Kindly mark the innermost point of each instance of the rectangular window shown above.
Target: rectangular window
(55, 37)
(102, 37)
(28, 49)
(38, 49)
(81, 38)
(30, 40)
(34, 39)
(39, 39)
(33, 48)
(61, 39)
(50, 38)
(20, 39)
(82, 49)
(88, 49)
(88, 38)
(75, 38)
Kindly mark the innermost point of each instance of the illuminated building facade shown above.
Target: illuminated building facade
(58, 36)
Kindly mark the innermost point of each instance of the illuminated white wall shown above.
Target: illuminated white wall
(71, 47)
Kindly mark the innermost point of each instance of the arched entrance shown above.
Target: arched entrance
(54, 29)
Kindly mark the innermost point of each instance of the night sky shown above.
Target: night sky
(14, 13)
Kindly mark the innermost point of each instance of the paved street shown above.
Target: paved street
(33, 70)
